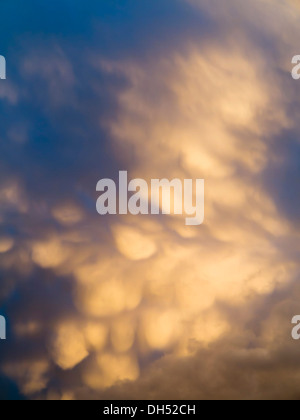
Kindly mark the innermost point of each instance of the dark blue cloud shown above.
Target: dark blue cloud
(282, 175)
(65, 149)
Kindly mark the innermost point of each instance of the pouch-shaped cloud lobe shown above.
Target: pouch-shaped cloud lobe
(145, 307)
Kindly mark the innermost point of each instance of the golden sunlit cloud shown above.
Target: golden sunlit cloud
(69, 346)
(151, 295)
(6, 244)
(67, 214)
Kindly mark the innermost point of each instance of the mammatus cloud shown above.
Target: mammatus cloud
(124, 307)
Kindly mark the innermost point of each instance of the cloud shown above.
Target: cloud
(69, 347)
(132, 244)
(145, 307)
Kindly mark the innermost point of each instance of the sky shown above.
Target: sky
(144, 307)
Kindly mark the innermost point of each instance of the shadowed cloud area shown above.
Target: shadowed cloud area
(143, 307)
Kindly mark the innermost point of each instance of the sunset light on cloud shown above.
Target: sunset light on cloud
(146, 307)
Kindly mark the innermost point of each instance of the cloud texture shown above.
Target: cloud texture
(144, 307)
